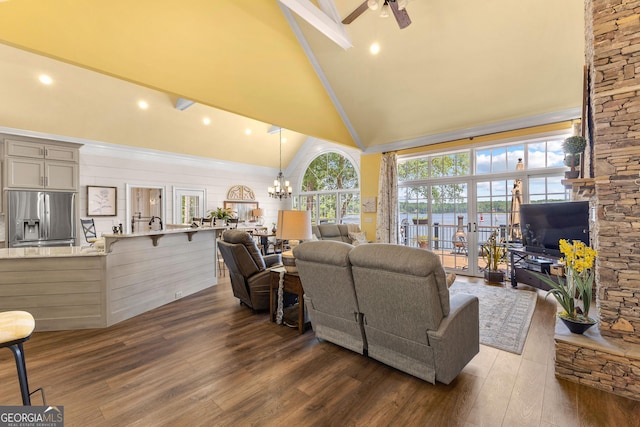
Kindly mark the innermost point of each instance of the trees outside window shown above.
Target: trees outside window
(330, 189)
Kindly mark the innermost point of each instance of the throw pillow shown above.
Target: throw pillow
(358, 238)
(451, 277)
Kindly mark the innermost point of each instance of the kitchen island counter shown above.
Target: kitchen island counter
(48, 252)
(77, 288)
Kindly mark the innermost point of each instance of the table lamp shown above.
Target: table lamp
(258, 215)
(293, 226)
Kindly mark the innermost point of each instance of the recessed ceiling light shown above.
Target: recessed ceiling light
(45, 80)
(374, 48)
(247, 131)
(206, 120)
(284, 140)
(143, 105)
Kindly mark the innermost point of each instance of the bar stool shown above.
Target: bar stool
(16, 328)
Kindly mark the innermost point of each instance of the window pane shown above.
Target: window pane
(555, 154)
(462, 164)
(329, 171)
(483, 161)
(350, 208)
(413, 169)
(328, 208)
(498, 160)
(514, 153)
(547, 189)
(308, 203)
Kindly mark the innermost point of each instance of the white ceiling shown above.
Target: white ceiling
(461, 68)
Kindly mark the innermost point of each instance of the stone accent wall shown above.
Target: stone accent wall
(614, 56)
(596, 364)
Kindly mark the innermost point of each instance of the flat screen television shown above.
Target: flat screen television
(544, 224)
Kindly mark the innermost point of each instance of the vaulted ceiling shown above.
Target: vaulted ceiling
(460, 69)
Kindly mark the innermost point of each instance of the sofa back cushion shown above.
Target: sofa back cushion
(400, 289)
(325, 272)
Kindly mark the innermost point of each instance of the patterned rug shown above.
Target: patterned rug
(505, 314)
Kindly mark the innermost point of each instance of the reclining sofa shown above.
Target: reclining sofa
(389, 302)
(337, 232)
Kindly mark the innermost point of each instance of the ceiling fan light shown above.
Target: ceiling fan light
(384, 12)
(402, 4)
(373, 4)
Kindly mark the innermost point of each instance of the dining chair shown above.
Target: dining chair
(89, 230)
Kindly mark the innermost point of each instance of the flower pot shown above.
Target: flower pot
(577, 326)
(420, 221)
(572, 174)
(494, 276)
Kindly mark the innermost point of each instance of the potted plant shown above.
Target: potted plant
(492, 253)
(423, 242)
(221, 214)
(573, 147)
(578, 285)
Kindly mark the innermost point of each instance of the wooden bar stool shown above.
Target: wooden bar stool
(16, 328)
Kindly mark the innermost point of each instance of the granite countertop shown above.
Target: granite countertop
(49, 252)
(162, 232)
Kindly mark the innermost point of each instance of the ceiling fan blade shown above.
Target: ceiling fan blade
(401, 15)
(353, 15)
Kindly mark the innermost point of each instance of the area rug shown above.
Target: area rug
(505, 314)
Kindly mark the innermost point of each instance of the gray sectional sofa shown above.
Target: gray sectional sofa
(389, 302)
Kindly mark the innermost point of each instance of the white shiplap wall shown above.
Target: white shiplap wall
(115, 166)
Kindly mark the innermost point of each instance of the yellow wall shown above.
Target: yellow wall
(370, 163)
(369, 173)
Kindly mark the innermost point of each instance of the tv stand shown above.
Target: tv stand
(523, 263)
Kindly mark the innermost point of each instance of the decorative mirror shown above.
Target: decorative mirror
(243, 210)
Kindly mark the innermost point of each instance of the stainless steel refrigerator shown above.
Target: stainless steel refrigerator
(40, 218)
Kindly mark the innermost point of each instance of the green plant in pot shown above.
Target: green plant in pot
(493, 253)
(573, 147)
(221, 214)
(578, 285)
(423, 242)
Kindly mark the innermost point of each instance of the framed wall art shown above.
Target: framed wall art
(101, 201)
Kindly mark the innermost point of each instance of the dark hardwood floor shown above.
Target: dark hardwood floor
(205, 360)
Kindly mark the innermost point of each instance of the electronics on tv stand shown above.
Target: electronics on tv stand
(539, 265)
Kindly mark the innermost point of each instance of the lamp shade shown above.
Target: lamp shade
(257, 212)
(294, 225)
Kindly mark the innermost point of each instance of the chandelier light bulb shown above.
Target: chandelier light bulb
(281, 188)
(384, 13)
(373, 4)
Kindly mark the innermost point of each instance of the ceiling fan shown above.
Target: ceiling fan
(396, 6)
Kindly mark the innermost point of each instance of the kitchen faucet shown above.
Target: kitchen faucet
(153, 219)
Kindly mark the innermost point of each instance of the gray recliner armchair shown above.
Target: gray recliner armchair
(248, 269)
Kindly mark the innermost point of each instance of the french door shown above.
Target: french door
(454, 217)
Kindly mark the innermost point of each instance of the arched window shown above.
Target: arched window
(330, 190)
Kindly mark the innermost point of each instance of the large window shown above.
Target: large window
(455, 200)
(330, 190)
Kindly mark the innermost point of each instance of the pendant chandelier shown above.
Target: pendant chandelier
(281, 188)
